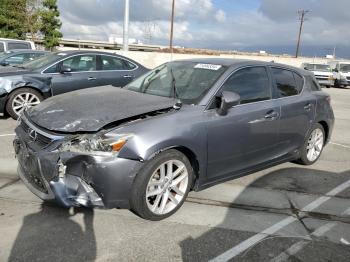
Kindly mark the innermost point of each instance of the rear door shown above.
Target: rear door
(83, 74)
(115, 71)
(248, 135)
(297, 108)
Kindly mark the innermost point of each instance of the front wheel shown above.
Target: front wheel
(162, 185)
(22, 99)
(313, 146)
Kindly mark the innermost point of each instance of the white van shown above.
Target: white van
(341, 73)
(7, 44)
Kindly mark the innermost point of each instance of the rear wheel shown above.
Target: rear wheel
(22, 99)
(313, 146)
(162, 185)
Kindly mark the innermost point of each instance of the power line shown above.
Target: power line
(302, 14)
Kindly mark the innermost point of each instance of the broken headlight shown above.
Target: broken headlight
(97, 145)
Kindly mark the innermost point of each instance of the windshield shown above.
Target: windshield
(322, 68)
(344, 68)
(191, 80)
(41, 62)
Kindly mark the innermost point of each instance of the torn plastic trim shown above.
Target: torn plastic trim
(71, 190)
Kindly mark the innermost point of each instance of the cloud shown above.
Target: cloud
(201, 23)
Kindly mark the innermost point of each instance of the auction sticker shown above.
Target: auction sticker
(208, 66)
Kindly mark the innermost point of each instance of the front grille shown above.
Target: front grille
(34, 136)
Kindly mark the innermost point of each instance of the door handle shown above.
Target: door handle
(271, 115)
(307, 107)
(128, 76)
(91, 78)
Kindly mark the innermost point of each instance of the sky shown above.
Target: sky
(244, 25)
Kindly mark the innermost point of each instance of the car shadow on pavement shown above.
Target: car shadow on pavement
(302, 180)
(51, 235)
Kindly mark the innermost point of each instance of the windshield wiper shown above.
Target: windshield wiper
(178, 103)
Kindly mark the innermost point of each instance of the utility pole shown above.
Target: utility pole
(302, 19)
(126, 27)
(172, 27)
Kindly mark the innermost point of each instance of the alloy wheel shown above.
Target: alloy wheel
(23, 101)
(167, 187)
(314, 145)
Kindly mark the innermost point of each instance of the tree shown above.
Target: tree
(50, 24)
(12, 19)
(33, 17)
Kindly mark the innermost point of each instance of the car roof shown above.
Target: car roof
(235, 63)
(78, 52)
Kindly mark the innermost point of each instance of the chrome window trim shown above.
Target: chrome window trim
(263, 101)
(41, 132)
(96, 54)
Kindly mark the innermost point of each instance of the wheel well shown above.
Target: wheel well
(191, 157)
(29, 87)
(325, 128)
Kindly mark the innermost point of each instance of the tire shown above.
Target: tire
(328, 86)
(305, 157)
(154, 207)
(22, 99)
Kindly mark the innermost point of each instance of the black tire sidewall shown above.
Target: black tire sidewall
(12, 96)
(138, 194)
(303, 159)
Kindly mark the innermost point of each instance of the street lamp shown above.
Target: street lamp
(126, 27)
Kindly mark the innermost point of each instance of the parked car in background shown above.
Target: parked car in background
(19, 57)
(341, 73)
(7, 44)
(186, 125)
(56, 73)
(323, 73)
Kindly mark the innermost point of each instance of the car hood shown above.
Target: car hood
(91, 109)
(11, 71)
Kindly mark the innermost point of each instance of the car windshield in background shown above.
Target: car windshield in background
(344, 68)
(322, 68)
(192, 80)
(41, 62)
(309, 66)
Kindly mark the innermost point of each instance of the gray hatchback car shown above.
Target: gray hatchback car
(186, 125)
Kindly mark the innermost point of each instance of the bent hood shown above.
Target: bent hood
(91, 109)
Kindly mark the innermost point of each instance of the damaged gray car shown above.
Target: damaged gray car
(185, 125)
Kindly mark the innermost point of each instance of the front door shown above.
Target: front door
(248, 135)
(83, 74)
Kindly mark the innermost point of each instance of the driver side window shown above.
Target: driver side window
(251, 83)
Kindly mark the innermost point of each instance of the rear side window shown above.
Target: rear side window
(252, 84)
(286, 82)
(115, 63)
(18, 45)
(15, 59)
(299, 80)
(314, 86)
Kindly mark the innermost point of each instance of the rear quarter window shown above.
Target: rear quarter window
(314, 86)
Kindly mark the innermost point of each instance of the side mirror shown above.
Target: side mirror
(335, 70)
(228, 100)
(4, 63)
(65, 69)
(305, 68)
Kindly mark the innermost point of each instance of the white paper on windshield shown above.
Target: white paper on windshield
(208, 66)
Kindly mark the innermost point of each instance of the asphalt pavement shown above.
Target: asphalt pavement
(285, 213)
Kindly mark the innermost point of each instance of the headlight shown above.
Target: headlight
(97, 145)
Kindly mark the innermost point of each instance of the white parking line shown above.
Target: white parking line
(301, 244)
(345, 146)
(7, 135)
(236, 250)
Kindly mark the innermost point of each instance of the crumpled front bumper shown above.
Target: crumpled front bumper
(73, 179)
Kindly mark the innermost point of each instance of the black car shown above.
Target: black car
(186, 125)
(19, 57)
(60, 72)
